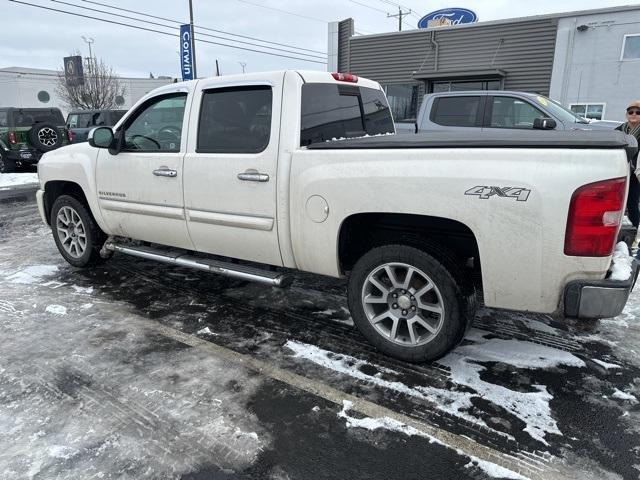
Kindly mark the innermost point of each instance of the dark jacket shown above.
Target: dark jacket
(636, 133)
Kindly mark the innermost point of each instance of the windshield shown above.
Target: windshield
(565, 115)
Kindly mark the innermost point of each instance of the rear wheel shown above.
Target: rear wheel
(77, 236)
(6, 165)
(409, 303)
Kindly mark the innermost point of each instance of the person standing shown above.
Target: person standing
(632, 127)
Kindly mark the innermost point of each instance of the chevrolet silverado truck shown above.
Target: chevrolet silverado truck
(257, 175)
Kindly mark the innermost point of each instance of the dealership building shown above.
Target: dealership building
(36, 88)
(587, 60)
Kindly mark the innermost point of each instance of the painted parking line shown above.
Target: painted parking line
(533, 468)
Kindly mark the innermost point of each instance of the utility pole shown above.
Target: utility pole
(89, 41)
(217, 68)
(193, 40)
(400, 14)
(243, 65)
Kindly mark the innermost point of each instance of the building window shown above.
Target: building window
(594, 111)
(465, 85)
(403, 100)
(631, 47)
(44, 96)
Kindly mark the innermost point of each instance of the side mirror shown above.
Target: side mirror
(101, 137)
(544, 123)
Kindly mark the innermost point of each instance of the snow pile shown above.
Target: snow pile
(620, 395)
(621, 263)
(533, 408)
(61, 451)
(8, 180)
(387, 423)
(206, 331)
(29, 275)
(56, 309)
(608, 366)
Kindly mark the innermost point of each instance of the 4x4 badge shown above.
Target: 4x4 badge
(485, 192)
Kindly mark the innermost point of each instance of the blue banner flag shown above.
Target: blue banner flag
(186, 53)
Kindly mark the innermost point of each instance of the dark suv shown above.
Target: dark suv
(27, 133)
(81, 122)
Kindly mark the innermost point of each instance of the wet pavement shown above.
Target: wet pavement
(139, 370)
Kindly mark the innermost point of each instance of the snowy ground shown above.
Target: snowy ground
(8, 180)
(136, 370)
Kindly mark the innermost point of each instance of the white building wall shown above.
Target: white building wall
(587, 64)
(19, 87)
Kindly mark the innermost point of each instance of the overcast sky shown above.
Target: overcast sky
(39, 38)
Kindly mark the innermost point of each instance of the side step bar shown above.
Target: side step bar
(177, 257)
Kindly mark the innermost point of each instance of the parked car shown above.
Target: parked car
(240, 176)
(494, 109)
(80, 122)
(27, 133)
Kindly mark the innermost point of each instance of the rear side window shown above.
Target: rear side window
(461, 111)
(28, 118)
(342, 111)
(235, 120)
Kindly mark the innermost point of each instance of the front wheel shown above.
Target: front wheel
(410, 304)
(75, 232)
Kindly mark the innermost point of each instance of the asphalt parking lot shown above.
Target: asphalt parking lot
(138, 370)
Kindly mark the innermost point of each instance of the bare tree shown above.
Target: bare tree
(99, 90)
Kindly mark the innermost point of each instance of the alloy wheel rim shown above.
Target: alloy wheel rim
(71, 232)
(47, 137)
(403, 304)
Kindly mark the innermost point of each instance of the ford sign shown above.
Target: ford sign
(455, 16)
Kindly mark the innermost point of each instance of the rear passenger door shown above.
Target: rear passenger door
(230, 169)
(457, 112)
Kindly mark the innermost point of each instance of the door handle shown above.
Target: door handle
(253, 176)
(165, 172)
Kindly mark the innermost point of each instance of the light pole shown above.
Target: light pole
(193, 41)
(89, 41)
(243, 65)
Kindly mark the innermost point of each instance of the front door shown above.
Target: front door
(140, 189)
(230, 170)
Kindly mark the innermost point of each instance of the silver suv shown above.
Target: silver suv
(496, 109)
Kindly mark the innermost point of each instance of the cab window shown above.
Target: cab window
(157, 125)
(512, 112)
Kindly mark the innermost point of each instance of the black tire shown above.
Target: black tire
(6, 165)
(45, 137)
(95, 237)
(456, 295)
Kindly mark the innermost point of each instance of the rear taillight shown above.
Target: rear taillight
(12, 138)
(345, 77)
(70, 136)
(594, 217)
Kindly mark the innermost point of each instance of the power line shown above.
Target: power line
(164, 33)
(369, 6)
(171, 26)
(284, 11)
(201, 27)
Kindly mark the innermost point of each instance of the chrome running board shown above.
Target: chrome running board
(180, 258)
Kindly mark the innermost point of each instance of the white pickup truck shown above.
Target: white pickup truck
(253, 176)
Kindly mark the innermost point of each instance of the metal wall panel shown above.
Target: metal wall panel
(345, 32)
(524, 50)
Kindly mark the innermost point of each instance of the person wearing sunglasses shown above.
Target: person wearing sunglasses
(632, 127)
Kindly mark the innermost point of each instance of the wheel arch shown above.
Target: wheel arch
(361, 232)
(56, 188)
